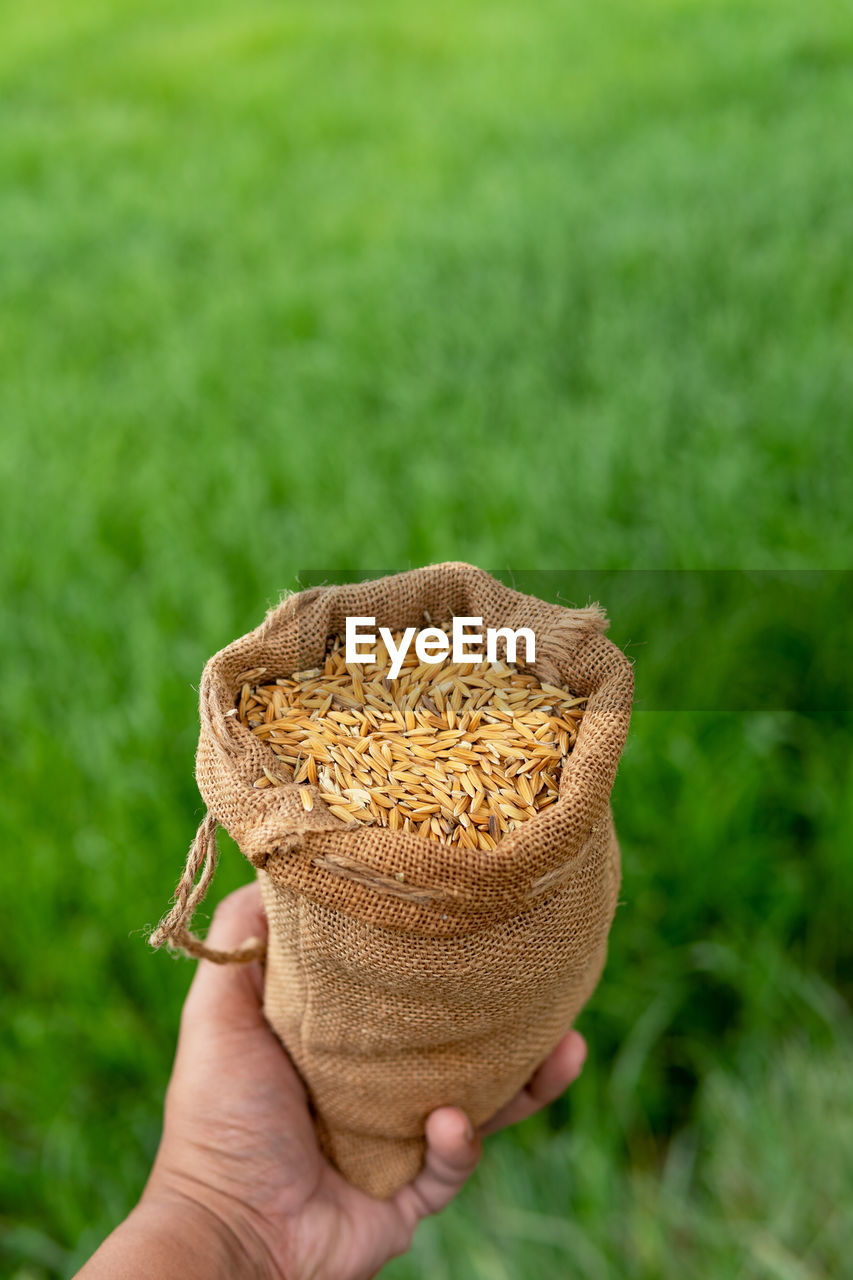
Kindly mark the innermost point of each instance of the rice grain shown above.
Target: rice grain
(459, 752)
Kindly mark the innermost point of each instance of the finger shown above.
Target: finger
(222, 991)
(453, 1149)
(560, 1069)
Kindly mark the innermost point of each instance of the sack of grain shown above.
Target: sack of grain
(436, 853)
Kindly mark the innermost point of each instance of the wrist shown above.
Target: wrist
(202, 1234)
(172, 1237)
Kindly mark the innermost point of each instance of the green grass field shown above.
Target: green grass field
(330, 287)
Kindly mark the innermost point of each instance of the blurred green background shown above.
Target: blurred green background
(552, 287)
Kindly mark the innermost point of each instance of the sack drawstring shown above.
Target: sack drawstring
(173, 930)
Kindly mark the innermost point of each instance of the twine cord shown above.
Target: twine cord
(351, 869)
(174, 931)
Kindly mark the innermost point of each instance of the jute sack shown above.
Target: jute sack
(403, 974)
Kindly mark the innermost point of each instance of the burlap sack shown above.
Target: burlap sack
(403, 974)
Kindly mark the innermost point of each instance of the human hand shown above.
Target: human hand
(239, 1153)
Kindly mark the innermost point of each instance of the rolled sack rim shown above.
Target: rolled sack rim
(362, 869)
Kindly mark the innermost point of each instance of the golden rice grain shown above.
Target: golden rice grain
(458, 752)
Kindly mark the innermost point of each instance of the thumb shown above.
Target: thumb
(221, 991)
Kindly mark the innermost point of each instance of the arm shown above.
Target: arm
(166, 1239)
